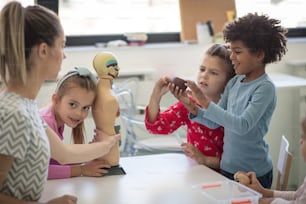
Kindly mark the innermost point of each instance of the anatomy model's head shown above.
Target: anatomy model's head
(106, 65)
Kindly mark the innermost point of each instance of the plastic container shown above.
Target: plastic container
(228, 192)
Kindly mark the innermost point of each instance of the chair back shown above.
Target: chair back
(283, 165)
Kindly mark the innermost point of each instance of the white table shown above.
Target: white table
(156, 179)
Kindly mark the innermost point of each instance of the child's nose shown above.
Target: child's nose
(232, 56)
(81, 113)
(204, 74)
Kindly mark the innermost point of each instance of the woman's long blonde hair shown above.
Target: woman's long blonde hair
(20, 30)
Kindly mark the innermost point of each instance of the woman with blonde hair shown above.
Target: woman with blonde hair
(31, 48)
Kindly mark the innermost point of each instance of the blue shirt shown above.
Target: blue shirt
(244, 110)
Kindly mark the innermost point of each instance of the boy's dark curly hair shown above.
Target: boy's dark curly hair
(259, 33)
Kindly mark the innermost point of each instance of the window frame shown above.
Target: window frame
(93, 40)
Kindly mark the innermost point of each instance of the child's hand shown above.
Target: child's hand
(192, 152)
(65, 199)
(108, 142)
(255, 185)
(94, 168)
(178, 93)
(197, 94)
(161, 87)
(111, 140)
(183, 97)
(100, 136)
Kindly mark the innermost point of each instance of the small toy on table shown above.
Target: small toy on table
(242, 178)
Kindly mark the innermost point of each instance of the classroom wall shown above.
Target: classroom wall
(183, 60)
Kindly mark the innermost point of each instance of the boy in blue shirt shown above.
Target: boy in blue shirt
(249, 99)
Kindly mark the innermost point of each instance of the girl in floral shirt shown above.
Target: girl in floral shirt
(204, 145)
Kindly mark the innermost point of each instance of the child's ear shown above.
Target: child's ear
(260, 56)
(54, 98)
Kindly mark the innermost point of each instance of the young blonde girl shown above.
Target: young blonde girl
(71, 103)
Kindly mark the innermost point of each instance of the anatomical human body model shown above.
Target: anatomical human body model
(106, 107)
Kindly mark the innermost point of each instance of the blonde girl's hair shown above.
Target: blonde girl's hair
(79, 78)
(20, 30)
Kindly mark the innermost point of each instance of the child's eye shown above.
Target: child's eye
(73, 105)
(237, 52)
(87, 108)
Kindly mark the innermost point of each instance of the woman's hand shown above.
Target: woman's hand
(65, 199)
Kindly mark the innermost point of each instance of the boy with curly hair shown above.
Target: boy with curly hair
(249, 99)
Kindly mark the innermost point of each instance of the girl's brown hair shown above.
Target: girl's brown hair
(76, 81)
(223, 53)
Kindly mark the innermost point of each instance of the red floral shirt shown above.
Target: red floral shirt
(208, 141)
